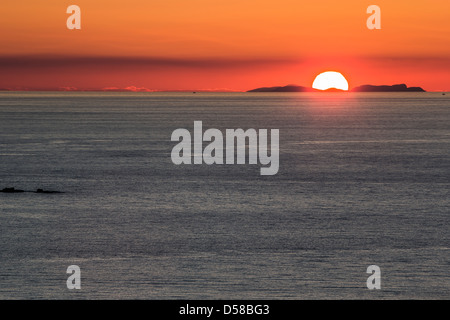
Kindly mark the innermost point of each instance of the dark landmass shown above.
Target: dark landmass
(329, 90)
(364, 88)
(384, 88)
(14, 190)
(288, 88)
(47, 191)
(11, 190)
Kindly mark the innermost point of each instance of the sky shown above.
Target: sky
(221, 45)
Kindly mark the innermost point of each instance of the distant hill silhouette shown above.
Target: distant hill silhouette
(14, 190)
(384, 88)
(364, 88)
(288, 88)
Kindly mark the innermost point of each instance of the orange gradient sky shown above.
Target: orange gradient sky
(222, 45)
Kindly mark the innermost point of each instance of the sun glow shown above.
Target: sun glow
(330, 80)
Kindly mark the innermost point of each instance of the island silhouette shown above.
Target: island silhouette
(394, 88)
(363, 88)
(14, 190)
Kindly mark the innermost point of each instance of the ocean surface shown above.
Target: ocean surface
(364, 179)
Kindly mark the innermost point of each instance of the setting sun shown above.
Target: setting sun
(330, 80)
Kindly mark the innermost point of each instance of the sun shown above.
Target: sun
(330, 80)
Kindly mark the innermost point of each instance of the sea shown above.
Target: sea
(363, 180)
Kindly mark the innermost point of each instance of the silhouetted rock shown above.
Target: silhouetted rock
(46, 191)
(330, 90)
(11, 190)
(385, 88)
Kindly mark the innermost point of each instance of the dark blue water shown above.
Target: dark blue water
(364, 179)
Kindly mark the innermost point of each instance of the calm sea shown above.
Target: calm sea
(364, 180)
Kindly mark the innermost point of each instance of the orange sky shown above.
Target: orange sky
(222, 44)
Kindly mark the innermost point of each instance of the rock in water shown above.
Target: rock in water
(11, 190)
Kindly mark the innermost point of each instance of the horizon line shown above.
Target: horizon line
(214, 91)
(134, 89)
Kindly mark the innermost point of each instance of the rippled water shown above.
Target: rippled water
(364, 179)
